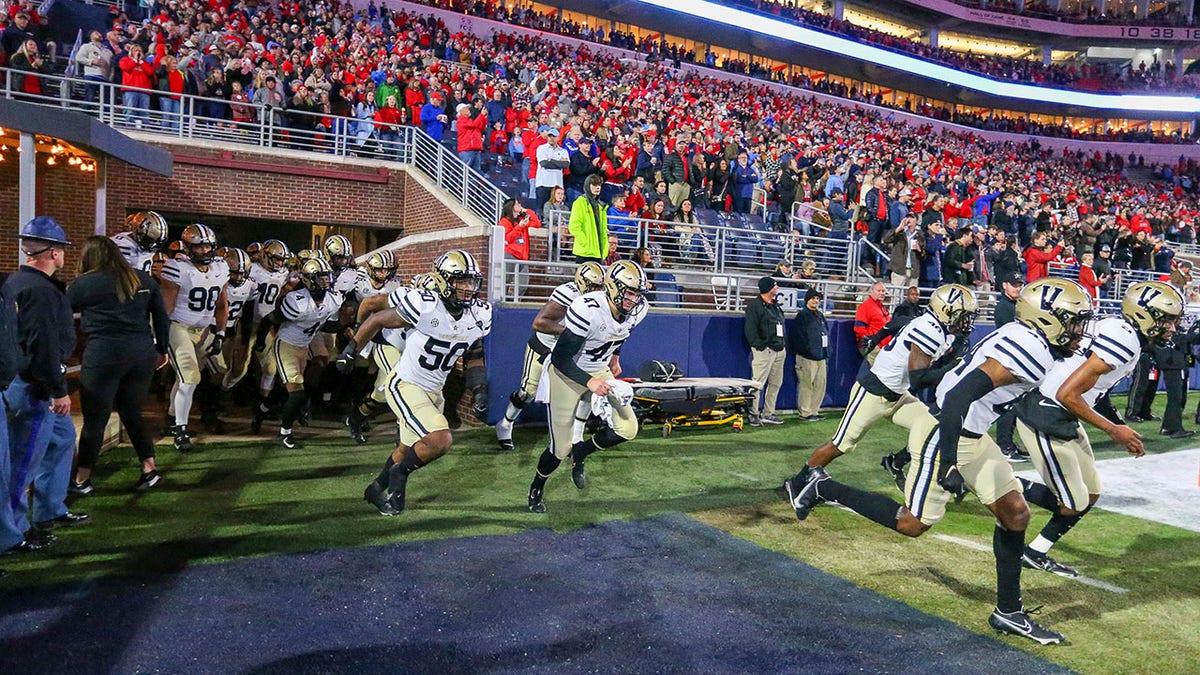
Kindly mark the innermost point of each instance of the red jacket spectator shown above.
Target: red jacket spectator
(136, 74)
(516, 234)
(1037, 260)
(470, 132)
(385, 116)
(871, 316)
(1087, 279)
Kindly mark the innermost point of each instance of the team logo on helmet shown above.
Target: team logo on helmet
(149, 229)
(1057, 308)
(626, 285)
(589, 277)
(1152, 307)
(382, 265)
(338, 250)
(955, 307)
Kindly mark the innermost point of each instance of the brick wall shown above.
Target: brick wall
(63, 192)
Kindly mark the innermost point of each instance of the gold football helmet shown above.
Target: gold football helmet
(1057, 308)
(626, 286)
(316, 274)
(239, 266)
(1152, 307)
(956, 307)
(149, 229)
(200, 242)
(274, 255)
(381, 265)
(589, 277)
(338, 251)
(461, 275)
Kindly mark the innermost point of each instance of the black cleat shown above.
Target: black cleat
(84, 488)
(354, 422)
(536, 505)
(578, 475)
(1019, 623)
(803, 496)
(183, 440)
(397, 484)
(1040, 561)
(892, 465)
(504, 430)
(65, 520)
(286, 441)
(375, 495)
(506, 444)
(1014, 454)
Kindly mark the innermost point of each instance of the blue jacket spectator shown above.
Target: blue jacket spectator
(433, 119)
(744, 178)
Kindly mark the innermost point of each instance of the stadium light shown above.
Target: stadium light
(790, 32)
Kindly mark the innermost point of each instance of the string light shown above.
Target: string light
(50, 161)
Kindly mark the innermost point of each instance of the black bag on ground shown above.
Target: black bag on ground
(659, 371)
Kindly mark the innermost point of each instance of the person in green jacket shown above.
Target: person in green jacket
(589, 224)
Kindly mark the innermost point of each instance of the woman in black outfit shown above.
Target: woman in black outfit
(126, 328)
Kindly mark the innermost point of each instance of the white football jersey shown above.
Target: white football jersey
(395, 337)
(268, 286)
(927, 333)
(1115, 342)
(196, 303)
(564, 295)
(346, 281)
(1021, 350)
(364, 286)
(437, 340)
(589, 315)
(132, 252)
(304, 316)
(238, 296)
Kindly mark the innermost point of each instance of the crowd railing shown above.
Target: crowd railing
(198, 118)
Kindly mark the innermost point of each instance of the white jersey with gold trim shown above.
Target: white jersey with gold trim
(1022, 351)
(346, 282)
(268, 285)
(196, 303)
(564, 295)
(137, 258)
(1115, 342)
(238, 297)
(590, 316)
(927, 333)
(304, 316)
(437, 340)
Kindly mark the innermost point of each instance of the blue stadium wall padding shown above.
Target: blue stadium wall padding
(67, 17)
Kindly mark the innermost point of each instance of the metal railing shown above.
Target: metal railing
(198, 118)
(714, 249)
(1122, 278)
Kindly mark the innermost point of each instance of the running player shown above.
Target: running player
(547, 326)
(194, 294)
(957, 454)
(585, 359)
(444, 325)
(270, 277)
(146, 232)
(1050, 419)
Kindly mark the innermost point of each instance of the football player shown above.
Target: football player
(340, 254)
(444, 325)
(1050, 419)
(955, 454)
(194, 293)
(908, 361)
(585, 358)
(271, 278)
(240, 293)
(547, 326)
(300, 315)
(146, 232)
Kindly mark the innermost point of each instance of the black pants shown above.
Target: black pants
(1173, 416)
(1141, 389)
(126, 382)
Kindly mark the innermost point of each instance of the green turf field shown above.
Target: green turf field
(237, 499)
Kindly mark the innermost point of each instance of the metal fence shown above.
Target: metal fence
(1121, 280)
(199, 119)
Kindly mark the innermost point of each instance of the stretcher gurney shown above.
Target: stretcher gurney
(695, 402)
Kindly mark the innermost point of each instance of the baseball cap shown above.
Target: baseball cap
(1106, 247)
(1013, 278)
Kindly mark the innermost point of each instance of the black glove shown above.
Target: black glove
(479, 406)
(260, 344)
(345, 360)
(952, 481)
(218, 341)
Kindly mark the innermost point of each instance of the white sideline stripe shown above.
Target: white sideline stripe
(743, 476)
(1086, 581)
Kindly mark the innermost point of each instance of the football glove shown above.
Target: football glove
(218, 341)
(479, 406)
(952, 481)
(345, 360)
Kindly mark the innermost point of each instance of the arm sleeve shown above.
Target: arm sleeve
(971, 388)
(563, 357)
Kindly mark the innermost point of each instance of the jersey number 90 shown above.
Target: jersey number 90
(202, 299)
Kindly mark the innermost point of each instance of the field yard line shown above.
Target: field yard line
(1086, 581)
(743, 476)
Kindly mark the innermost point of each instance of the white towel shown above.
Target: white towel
(620, 394)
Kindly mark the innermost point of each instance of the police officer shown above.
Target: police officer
(42, 442)
(1172, 359)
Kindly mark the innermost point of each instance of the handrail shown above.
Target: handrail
(191, 117)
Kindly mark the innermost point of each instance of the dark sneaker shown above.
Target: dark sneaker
(375, 495)
(286, 441)
(1178, 434)
(1019, 623)
(148, 480)
(755, 421)
(578, 475)
(1040, 561)
(305, 415)
(771, 419)
(803, 496)
(256, 420)
(354, 422)
(65, 520)
(397, 484)
(1014, 454)
(183, 440)
(892, 465)
(536, 505)
(84, 488)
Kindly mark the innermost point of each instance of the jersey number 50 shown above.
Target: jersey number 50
(441, 355)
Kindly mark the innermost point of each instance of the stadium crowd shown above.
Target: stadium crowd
(1166, 14)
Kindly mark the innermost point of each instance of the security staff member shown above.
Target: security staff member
(42, 437)
(1172, 359)
(10, 362)
(764, 332)
(1006, 312)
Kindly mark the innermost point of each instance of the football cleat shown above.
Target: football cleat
(286, 441)
(374, 494)
(84, 488)
(183, 440)
(354, 423)
(579, 475)
(397, 484)
(1019, 623)
(802, 490)
(1014, 454)
(536, 505)
(1040, 561)
(256, 420)
(148, 480)
(892, 465)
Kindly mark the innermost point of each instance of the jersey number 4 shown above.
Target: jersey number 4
(441, 355)
(202, 299)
